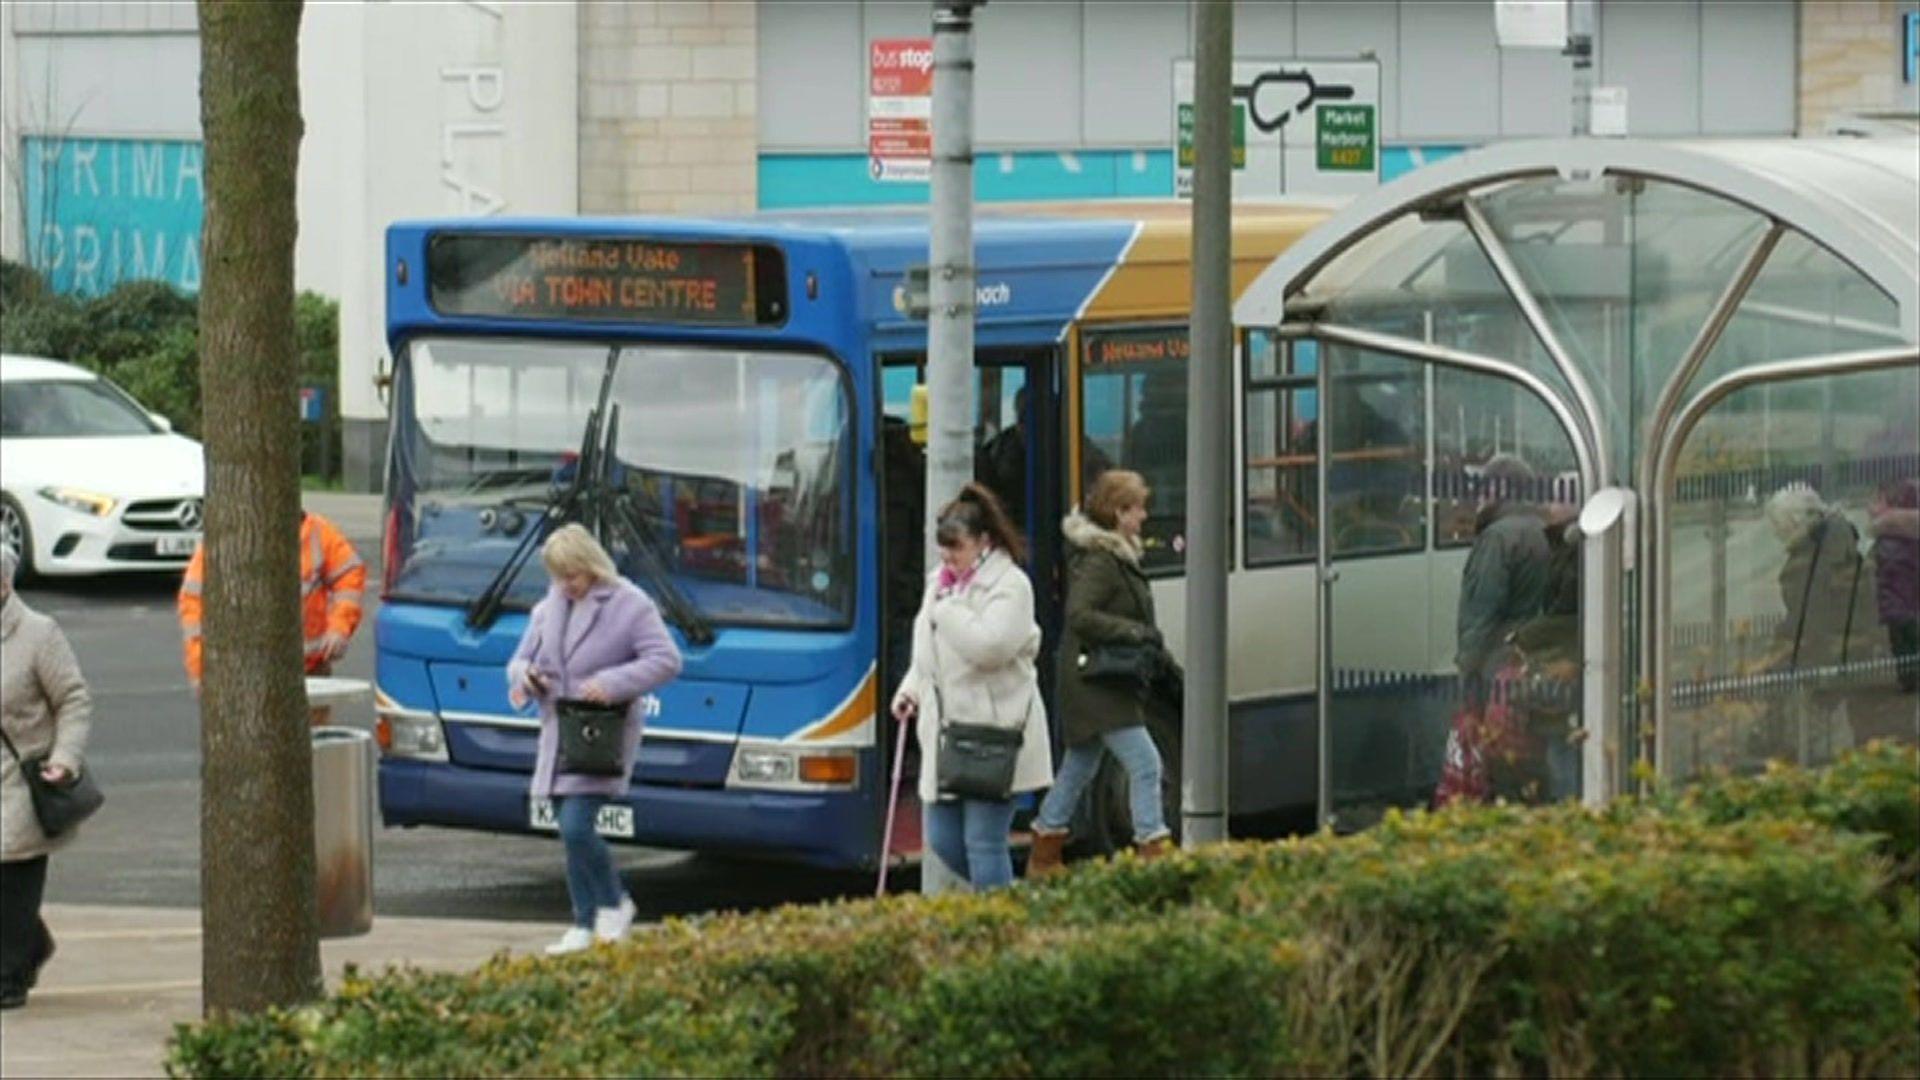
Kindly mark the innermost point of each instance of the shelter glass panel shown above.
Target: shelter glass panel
(1795, 533)
(1805, 302)
(1426, 279)
(1376, 481)
(1626, 270)
(1480, 420)
(1280, 501)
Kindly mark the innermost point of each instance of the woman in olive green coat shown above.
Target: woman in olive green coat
(1108, 603)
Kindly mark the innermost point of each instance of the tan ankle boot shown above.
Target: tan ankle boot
(1154, 848)
(1044, 857)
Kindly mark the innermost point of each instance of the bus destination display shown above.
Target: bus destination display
(605, 279)
(1137, 346)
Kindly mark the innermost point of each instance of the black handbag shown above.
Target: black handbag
(592, 737)
(1135, 664)
(59, 806)
(976, 761)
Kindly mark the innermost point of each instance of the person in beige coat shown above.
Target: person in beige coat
(974, 646)
(45, 710)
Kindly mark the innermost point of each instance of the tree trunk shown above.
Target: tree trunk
(260, 945)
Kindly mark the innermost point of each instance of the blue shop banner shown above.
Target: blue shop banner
(790, 181)
(103, 211)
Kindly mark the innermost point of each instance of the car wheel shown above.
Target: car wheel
(18, 535)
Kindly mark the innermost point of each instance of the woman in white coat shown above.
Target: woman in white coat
(974, 645)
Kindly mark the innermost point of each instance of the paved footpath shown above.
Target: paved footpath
(124, 976)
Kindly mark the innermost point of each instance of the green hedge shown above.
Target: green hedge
(145, 336)
(1735, 929)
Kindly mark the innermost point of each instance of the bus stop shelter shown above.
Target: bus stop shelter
(1705, 353)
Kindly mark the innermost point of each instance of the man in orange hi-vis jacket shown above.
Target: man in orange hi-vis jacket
(332, 581)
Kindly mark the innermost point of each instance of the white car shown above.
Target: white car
(89, 480)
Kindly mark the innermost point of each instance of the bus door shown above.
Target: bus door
(1015, 440)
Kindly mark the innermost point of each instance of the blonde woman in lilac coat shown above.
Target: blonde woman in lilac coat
(595, 637)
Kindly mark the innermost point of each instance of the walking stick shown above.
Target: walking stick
(893, 804)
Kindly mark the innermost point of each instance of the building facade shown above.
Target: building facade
(718, 106)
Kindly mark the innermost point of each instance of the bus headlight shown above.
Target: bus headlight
(403, 734)
(763, 766)
(791, 769)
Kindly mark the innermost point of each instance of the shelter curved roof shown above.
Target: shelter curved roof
(1857, 198)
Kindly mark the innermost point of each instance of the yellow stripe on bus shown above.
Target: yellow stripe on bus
(860, 707)
(1155, 279)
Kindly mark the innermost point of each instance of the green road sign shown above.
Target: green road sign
(1239, 135)
(1345, 141)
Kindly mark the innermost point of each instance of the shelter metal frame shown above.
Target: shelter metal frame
(1868, 225)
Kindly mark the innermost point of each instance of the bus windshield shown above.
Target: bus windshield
(739, 461)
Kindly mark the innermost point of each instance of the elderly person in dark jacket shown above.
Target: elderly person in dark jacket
(1108, 603)
(595, 637)
(1506, 581)
(45, 711)
(1825, 584)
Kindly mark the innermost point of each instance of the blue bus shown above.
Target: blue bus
(758, 377)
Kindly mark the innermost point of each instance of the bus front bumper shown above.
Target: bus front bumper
(827, 829)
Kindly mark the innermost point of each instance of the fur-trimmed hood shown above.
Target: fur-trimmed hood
(1082, 532)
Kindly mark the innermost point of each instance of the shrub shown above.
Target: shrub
(1179, 994)
(1874, 791)
(1671, 937)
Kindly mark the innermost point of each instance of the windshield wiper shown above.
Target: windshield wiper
(593, 501)
(572, 503)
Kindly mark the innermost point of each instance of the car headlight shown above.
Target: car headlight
(81, 500)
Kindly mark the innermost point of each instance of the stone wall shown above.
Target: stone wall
(1849, 58)
(667, 106)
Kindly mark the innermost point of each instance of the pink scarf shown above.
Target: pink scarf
(952, 582)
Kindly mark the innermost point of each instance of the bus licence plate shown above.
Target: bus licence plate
(168, 546)
(614, 820)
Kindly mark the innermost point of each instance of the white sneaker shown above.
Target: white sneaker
(576, 939)
(612, 923)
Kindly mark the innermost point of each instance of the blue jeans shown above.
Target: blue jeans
(1135, 750)
(970, 836)
(592, 881)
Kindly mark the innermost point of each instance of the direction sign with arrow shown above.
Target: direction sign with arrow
(1300, 127)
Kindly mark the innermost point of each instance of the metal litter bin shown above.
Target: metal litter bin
(343, 830)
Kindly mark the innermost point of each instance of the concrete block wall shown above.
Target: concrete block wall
(667, 106)
(1849, 58)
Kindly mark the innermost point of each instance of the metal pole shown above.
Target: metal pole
(1582, 41)
(1604, 523)
(950, 391)
(1325, 576)
(1209, 432)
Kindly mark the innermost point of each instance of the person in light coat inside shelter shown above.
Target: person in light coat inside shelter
(45, 710)
(974, 646)
(594, 637)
